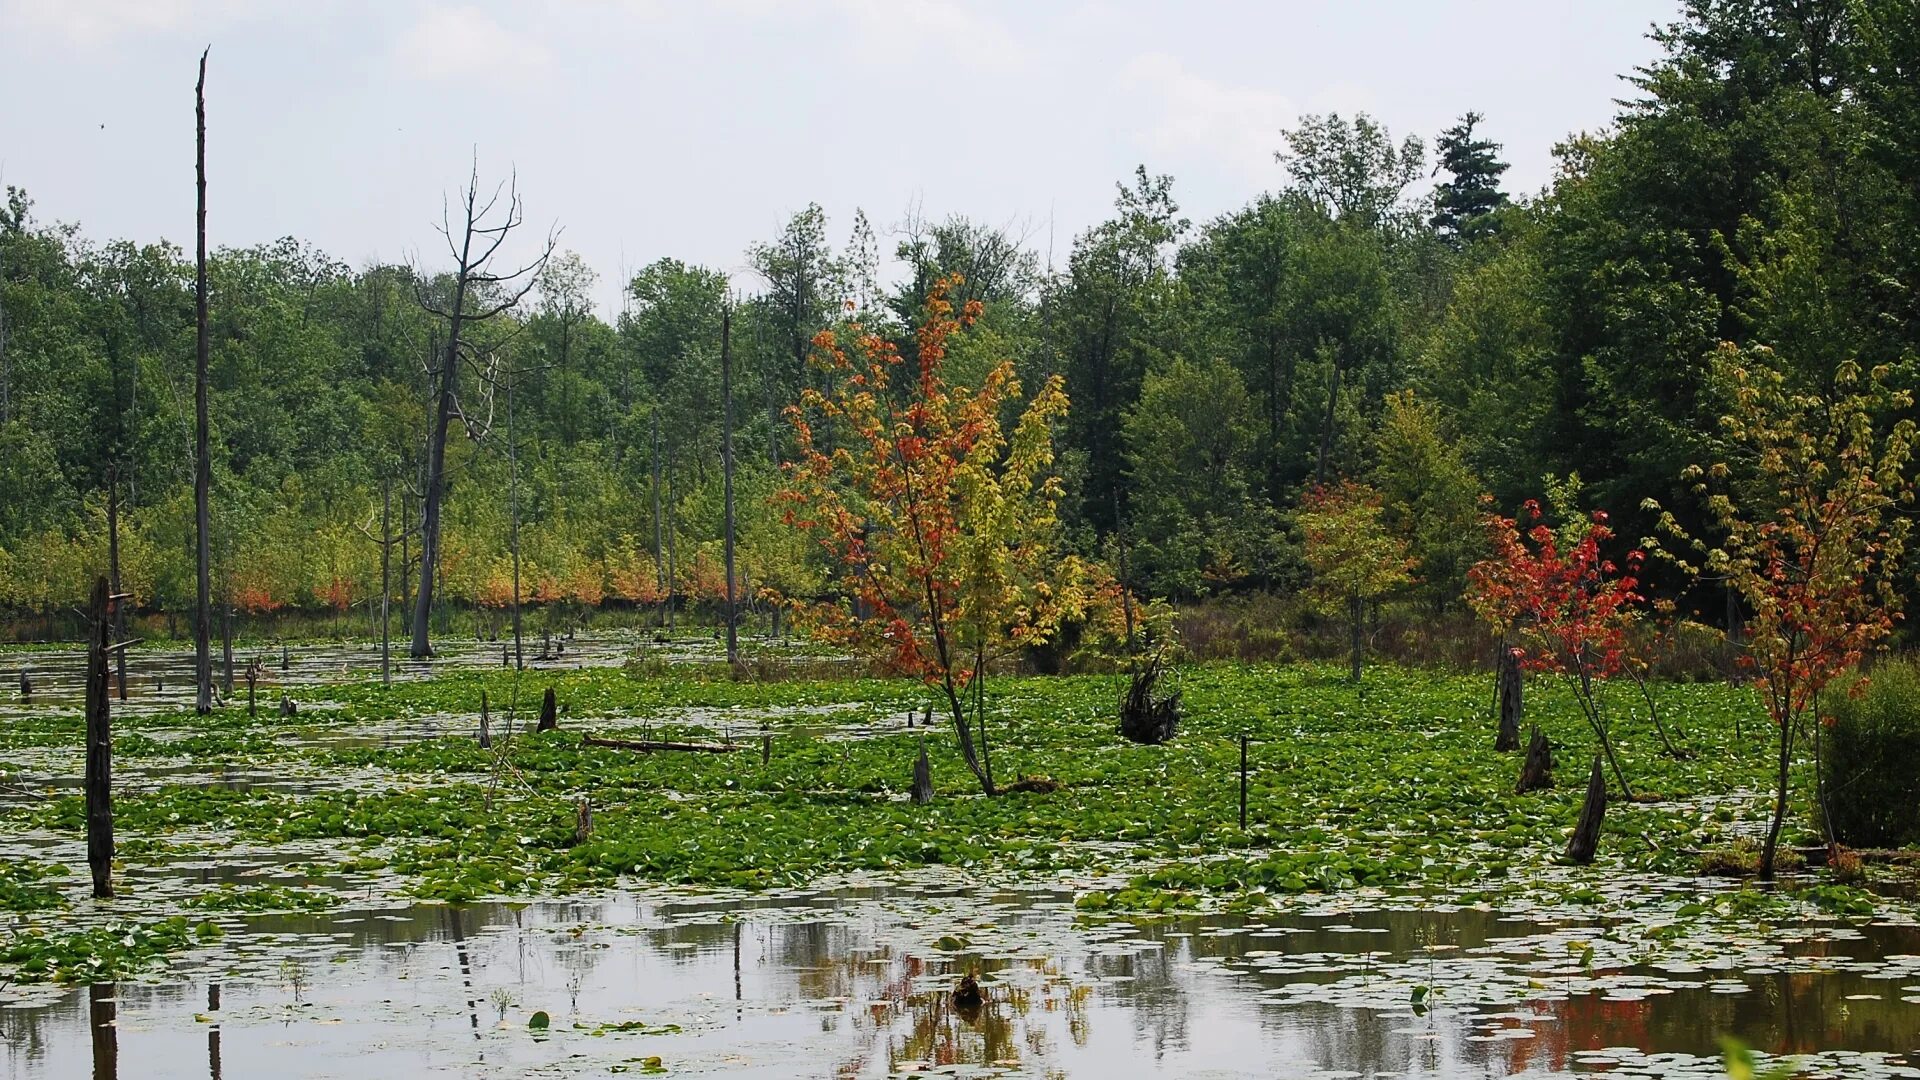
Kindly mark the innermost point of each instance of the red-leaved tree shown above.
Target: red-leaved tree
(1567, 606)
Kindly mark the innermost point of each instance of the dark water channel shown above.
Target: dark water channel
(857, 983)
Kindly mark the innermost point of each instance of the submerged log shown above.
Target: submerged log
(1509, 682)
(1585, 842)
(99, 781)
(922, 777)
(1536, 771)
(549, 712)
(648, 746)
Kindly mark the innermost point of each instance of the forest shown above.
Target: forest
(1757, 188)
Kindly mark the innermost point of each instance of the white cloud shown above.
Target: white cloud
(96, 20)
(904, 30)
(1239, 127)
(448, 42)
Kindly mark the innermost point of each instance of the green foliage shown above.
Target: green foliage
(1870, 745)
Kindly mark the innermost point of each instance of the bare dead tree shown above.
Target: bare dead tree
(480, 293)
(202, 460)
(726, 466)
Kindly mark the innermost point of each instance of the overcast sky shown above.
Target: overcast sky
(648, 128)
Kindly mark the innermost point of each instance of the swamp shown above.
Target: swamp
(362, 876)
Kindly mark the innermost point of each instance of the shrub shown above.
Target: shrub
(1872, 786)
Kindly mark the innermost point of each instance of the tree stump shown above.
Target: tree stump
(288, 709)
(99, 781)
(1585, 842)
(549, 712)
(253, 680)
(1537, 771)
(26, 687)
(486, 737)
(582, 821)
(922, 777)
(1509, 683)
(1146, 717)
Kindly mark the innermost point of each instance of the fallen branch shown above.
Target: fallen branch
(648, 746)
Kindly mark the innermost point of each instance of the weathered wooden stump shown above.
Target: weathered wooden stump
(582, 821)
(922, 777)
(486, 736)
(1585, 842)
(288, 709)
(1536, 771)
(253, 681)
(1146, 717)
(26, 687)
(549, 712)
(1509, 682)
(99, 781)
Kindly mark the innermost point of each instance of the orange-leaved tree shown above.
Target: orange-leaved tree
(939, 527)
(1810, 498)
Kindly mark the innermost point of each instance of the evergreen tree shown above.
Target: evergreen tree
(1464, 205)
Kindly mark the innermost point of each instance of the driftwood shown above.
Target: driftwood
(1145, 717)
(1537, 770)
(922, 777)
(549, 712)
(1509, 685)
(1585, 842)
(99, 781)
(648, 746)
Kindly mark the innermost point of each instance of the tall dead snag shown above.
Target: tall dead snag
(726, 468)
(99, 780)
(479, 293)
(1585, 842)
(922, 776)
(202, 460)
(113, 576)
(1508, 682)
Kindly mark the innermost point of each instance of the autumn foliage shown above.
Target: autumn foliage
(939, 526)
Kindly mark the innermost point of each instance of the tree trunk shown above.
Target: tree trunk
(386, 584)
(99, 780)
(202, 462)
(726, 466)
(1781, 778)
(1510, 683)
(1536, 771)
(449, 380)
(922, 777)
(1356, 613)
(113, 571)
(659, 551)
(486, 736)
(513, 498)
(1585, 842)
(549, 712)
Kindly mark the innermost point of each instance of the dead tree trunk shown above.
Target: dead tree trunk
(202, 462)
(113, 572)
(1585, 842)
(549, 712)
(1536, 771)
(480, 238)
(99, 780)
(726, 466)
(1509, 684)
(1356, 644)
(486, 736)
(922, 776)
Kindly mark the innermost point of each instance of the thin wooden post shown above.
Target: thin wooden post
(1243, 782)
(99, 780)
(766, 748)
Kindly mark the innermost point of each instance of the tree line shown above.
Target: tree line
(1760, 185)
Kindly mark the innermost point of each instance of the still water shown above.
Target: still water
(857, 982)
